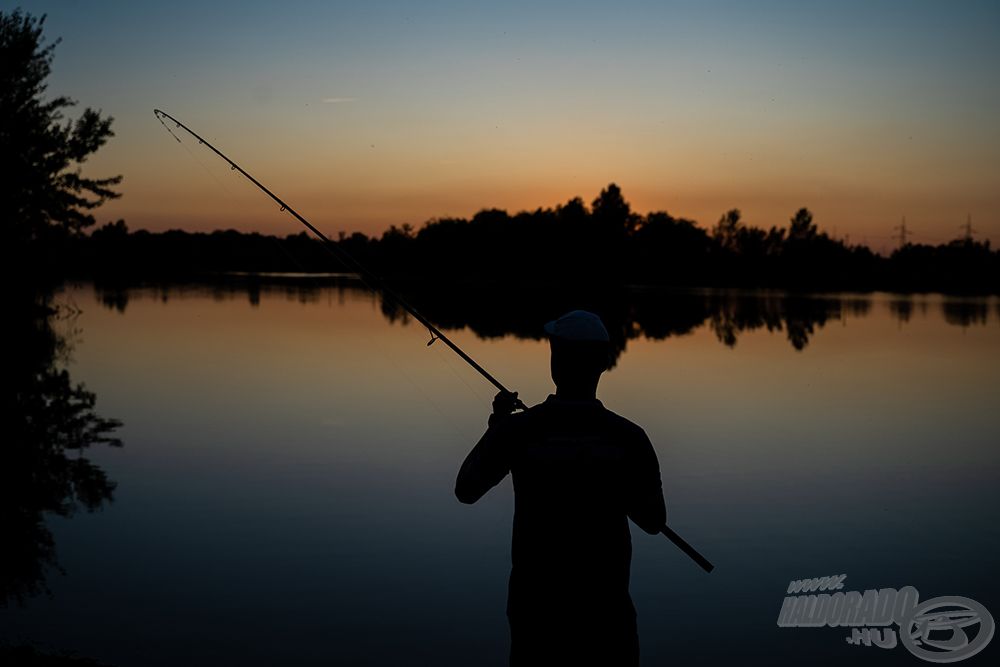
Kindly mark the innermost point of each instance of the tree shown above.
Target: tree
(573, 213)
(45, 194)
(665, 248)
(727, 230)
(801, 227)
(611, 211)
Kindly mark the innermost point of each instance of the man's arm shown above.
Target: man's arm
(483, 468)
(645, 503)
(489, 460)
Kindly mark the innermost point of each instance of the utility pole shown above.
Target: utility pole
(903, 232)
(969, 231)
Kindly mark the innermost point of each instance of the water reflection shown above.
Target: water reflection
(301, 288)
(654, 314)
(902, 309)
(48, 423)
(965, 312)
(287, 493)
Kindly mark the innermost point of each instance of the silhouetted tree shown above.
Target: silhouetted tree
(727, 230)
(612, 212)
(801, 227)
(564, 244)
(113, 232)
(45, 194)
(574, 212)
(962, 265)
(669, 250)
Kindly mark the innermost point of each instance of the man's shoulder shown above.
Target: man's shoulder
(553, 410)
(623, 424)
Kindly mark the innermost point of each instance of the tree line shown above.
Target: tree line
(47, 206)
(603, 243)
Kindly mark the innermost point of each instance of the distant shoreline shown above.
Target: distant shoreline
(569, 245)
(492, 310)
(239, 279)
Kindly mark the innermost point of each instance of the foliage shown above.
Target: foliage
(570, 244)
(45, 194)
(49, 421)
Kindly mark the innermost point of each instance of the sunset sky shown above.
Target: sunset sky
(368, 114)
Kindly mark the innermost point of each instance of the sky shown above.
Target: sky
(362, 115)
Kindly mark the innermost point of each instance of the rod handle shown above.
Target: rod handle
(691, 552)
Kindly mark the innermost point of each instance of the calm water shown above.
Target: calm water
(285, 489)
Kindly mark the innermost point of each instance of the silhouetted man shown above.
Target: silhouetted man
(580, 472)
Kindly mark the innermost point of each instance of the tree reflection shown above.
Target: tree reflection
(659, 315)
(502, 309)
(902, 309)
(963, 312)
(654, 314)
(48, 423)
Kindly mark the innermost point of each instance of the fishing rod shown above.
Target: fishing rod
(377, 285)
(366, 276)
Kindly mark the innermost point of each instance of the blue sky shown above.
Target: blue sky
(375, 113)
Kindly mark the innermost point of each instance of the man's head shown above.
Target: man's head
(581, 351)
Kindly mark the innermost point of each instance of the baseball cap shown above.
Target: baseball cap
(578, 325)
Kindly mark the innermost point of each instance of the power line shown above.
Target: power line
(969, 231)
(903, 232)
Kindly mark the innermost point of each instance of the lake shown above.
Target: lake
(285, 489)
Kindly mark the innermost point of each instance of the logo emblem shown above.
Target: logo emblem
(937, 630)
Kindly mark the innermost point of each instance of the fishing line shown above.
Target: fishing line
(197, 159)
(475, 392)
(386, 352)
(390, 356)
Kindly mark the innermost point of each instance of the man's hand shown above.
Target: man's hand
(504, 403)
